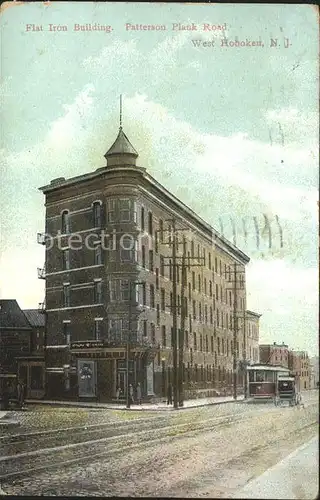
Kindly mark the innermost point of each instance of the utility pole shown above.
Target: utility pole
(245, 350)
(235, 331)
(178, 341)
(174, 319)
(182, 320)
(132, 287)
(236, 327)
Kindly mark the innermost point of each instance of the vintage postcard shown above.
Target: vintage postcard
(159, 254)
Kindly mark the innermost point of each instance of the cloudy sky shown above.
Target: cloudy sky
(231, 131)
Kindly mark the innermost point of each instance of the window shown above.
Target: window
(158, 314)
(97, 329)
(195, 341)
(157, 278)
(144, 294)
(145, 328)
(218, 342)
(218, 318)
(98, 292)
(190, 322)
(153, 333)
(98, 255)
(151, 260)
(216, 264)
(117, 328)
(204, 256)
(163, 299)
(111, 210)
(161, 265)
(206, 314)
(209, 257)
(171, 301)
(211, 315)
(205, 286)
(178, 304)
(127, 249)
(142, 218)
(207, 344)
(210, 288)
(189, 261)
(198, 252)
(189, 291)
(178, 274)
(230, 298)
(163, 336)
(65, 229)
(124, 209)
(200, 312)
(96, 214)
(170, 269)
(225, 271)
(156, 245)
(199, 283)
(119, 290)
(161, 230)
(186, 339)
(66, 333)
(150, 228)
(212, 344)
(222, 347)
(217, 292)
(194, 309)
(192, 248)
(143, 255)
(193, 280)
(152, 300)
(222, 317)
(66, 259)
(220, 268)
(66, 295)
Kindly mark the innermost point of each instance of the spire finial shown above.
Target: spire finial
(120, 110)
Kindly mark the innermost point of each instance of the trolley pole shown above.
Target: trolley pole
(245, 352)
(175, 316)
(235, 329)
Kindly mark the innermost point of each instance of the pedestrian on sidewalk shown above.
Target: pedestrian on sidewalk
(139, 395)
(131, 393)
(169, 395)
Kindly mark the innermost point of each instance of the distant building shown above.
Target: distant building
(252, 327)
(299, 364)
(274, 354)
(21, 347)
(314, 372)
(99, 297)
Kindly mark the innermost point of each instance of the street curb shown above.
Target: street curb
(164, 409)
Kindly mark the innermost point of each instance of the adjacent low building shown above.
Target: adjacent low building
(22, 338)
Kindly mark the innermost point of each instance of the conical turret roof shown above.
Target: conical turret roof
(121, 146)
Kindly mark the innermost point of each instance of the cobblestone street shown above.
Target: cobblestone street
(213, 464)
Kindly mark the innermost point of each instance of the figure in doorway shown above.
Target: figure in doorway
(169, 394)
(118, 393)
(20, 393)
(131, 393)
(139, 394)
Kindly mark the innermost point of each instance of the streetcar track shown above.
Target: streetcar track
(113, 450)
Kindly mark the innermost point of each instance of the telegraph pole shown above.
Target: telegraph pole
(235, 331)
(182, 320)
(245, 350)
(174, 319)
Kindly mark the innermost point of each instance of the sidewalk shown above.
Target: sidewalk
(296, 476)
(190, 403)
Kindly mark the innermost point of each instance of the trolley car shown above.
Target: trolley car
(263, 381)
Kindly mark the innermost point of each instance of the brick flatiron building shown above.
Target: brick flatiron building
(109, 279)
